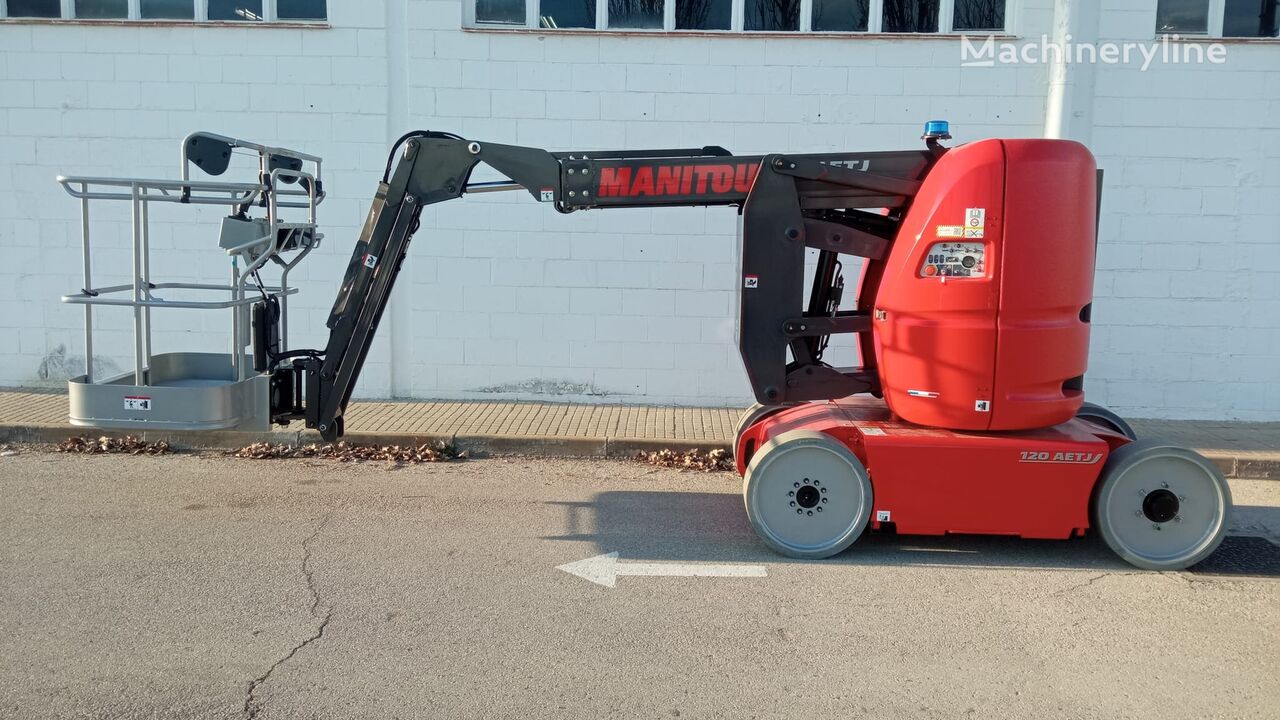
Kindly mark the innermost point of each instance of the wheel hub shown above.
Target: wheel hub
(807, 496)
(1160, 506)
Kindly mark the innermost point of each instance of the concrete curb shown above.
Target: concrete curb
(1252, 466)
(1246, 467)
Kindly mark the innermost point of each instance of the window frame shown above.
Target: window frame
(875, 21)
(1217, 18)
(200, 10)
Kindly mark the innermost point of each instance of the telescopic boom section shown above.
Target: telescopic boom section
(838, 203)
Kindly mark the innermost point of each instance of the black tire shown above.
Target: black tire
(1099, 415)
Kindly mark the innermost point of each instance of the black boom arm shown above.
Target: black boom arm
(788, 203)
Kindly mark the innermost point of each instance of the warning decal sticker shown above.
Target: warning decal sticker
(370, 260)
(751, 281)
(137, 402)
(974, 221)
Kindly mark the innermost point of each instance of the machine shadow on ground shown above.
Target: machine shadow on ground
(713, 527)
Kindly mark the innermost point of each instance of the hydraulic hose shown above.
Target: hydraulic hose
(391, 157)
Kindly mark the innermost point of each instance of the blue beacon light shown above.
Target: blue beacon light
(937, 129)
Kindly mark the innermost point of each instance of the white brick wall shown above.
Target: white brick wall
(1186, 316)
(502, 297)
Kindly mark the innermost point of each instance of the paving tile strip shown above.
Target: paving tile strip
(1241, 449)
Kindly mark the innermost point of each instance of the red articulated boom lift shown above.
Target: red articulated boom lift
(972, 313)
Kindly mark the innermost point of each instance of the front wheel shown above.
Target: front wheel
(807, 496)
(1161, 507)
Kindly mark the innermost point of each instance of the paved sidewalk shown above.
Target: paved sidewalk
(1241, 449)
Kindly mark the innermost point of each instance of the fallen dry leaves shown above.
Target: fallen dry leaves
(127, 445)
(712, 461)
(439, 451)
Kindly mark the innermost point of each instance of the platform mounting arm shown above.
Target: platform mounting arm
(788, 203)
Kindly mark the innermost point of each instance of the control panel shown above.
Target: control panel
(955, 259)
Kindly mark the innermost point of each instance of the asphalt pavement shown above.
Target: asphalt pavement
(203, 586)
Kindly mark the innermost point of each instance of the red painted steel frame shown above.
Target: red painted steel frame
(999, 344)
(930, 481)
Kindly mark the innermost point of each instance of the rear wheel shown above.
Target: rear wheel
(807, 496)
(1102, 416)
(1161, 507)
(751, 416)
(754, 414)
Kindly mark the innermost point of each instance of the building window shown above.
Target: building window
(500, 12)
(35, 8)
(772, 15)
(635, 14)
(978, 15)
(840, 15)
(238, 10)
(776, 16)
(703, 14)
(301, 10)
(910, 16)
(102, 9)
(568, 14)
(195, 10)
(1218, 18)
(168, 10)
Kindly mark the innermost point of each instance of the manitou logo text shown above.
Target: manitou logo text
(659, 181)
(1044, 456)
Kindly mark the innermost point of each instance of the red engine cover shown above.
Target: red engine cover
(981, 319)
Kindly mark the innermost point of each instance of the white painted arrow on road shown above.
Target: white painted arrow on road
(605, 569)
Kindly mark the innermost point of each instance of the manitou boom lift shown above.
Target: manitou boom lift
(971, 317)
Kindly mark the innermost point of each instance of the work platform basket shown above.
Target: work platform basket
(198, 390)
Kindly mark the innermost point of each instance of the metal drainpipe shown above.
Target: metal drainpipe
(1069, 97)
